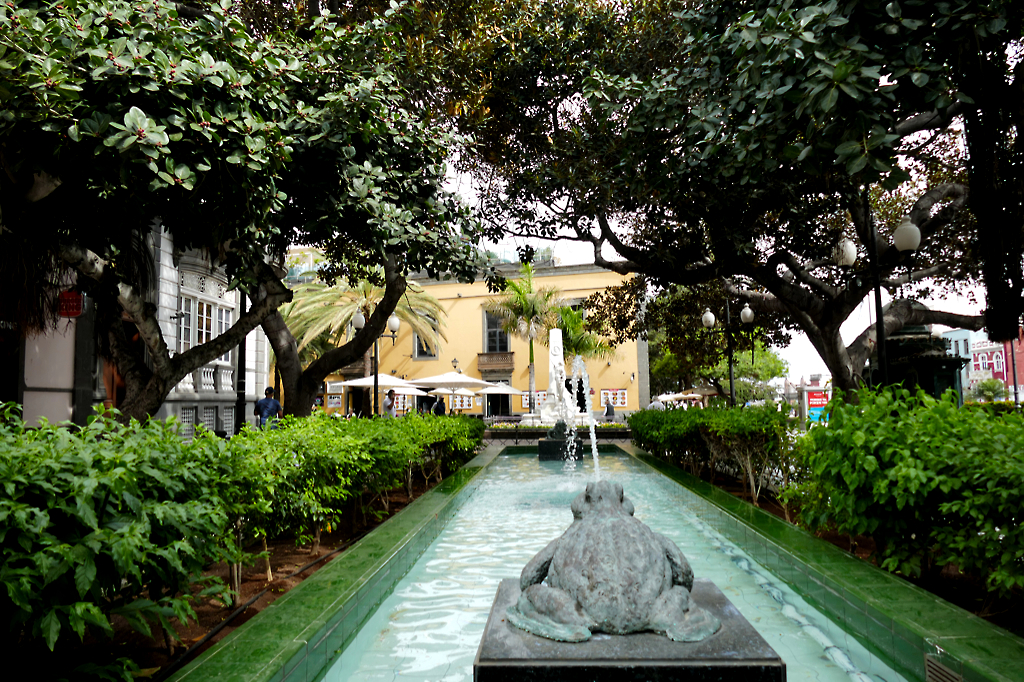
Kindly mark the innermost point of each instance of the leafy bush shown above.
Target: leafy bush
(122, 520)
(749, 438)
(931, 483)
(105, 520)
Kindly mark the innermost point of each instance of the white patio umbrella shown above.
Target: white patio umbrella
(408, 390)
(452, 381)
(448, 391)
(383, 381)
(500, 389)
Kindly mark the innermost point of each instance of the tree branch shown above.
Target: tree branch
(930, 120)
(916, 276)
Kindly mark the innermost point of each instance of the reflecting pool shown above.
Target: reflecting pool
(429, 628)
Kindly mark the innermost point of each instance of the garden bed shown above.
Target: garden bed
(156, 661)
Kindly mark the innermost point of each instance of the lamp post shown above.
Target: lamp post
(906, 237)
(455, 365)
(358, 322)
(708, 320)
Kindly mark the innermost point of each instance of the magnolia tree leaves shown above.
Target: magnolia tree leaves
(213, 129)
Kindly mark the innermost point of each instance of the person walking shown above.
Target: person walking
(609, 410)
(439, 407)
(390, 410)
(267, 408)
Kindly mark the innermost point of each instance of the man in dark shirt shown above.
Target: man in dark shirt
(439, 406)
(267, 408)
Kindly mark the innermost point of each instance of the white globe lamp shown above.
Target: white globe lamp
(708, 318)
(907, 236)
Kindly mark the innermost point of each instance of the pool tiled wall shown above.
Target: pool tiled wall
(903, 624)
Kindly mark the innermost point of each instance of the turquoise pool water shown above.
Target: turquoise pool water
(429, 628)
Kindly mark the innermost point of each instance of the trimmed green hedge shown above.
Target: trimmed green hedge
(752, 439)
(931, 483)
(122, 520)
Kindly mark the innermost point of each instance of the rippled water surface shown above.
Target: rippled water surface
(430, 627)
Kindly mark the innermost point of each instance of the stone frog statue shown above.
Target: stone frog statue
(609, 573)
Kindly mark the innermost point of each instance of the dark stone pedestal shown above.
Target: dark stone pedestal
(557, 448)
(736, 653)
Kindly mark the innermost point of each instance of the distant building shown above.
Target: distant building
(478, 347)
(960, 341)
(59, 375)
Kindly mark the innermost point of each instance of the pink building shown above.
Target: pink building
(994, 360)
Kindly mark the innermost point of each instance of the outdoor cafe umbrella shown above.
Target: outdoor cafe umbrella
(383, 381)
(500, 389)
(448, 391)
(451, 381)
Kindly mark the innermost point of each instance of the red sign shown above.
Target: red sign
(817, 399)
(70, 304)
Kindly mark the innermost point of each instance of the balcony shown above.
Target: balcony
(495, 362)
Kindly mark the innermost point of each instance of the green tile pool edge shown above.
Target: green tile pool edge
(297, 637)
(892, 618)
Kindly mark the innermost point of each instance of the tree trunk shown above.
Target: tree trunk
(533, 383)
(266, 557)
(147, 387)
(303, 385)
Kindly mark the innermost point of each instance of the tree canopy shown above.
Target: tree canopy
(738, 142)
(115, 114)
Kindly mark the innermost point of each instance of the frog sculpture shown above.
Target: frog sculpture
(609, 573)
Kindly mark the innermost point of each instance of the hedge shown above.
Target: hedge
(750, 439)
(933, 484)
(122, 520)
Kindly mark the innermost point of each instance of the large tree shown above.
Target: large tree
(718, 140)
(117, 114)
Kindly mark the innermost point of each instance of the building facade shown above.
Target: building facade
(59, 376)
(477, 346)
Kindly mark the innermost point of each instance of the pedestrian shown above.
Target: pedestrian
(267, 408)
(439, 407)
(609, 411)
(390, 410)
(656, 405)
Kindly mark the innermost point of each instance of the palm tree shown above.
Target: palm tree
(525, 312)
(319, 309)
(576, 340)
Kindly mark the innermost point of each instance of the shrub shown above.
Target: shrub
(931, 483)
(105, 520)
(122, 520)
(751, 439)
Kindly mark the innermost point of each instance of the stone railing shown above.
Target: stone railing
(186, 385)
(495, 361)
(209, 375)
(226, 377)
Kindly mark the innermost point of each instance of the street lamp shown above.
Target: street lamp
(358, 322)
(708, 320)
(906, 237)
(455, 365)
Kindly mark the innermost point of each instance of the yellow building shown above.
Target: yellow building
(476, 346)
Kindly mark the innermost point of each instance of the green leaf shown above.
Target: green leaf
(830, 99)
(50, 628)
(919, 78)
(85, 576)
